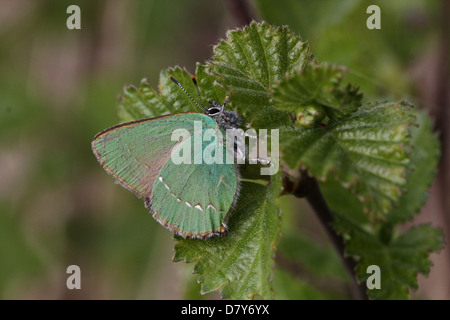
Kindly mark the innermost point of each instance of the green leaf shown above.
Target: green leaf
(424, 160)
(253, 59)
(367, 152)
(400, 256)
(140, 103)
(145, 102)
(241, 262)
(352, 208)
(399, 260)
(317, 84)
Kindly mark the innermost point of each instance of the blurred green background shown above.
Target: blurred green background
(59, 87)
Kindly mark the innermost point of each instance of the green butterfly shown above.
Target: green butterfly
(192, 200)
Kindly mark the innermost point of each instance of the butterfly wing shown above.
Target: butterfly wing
(194, 199)
(190, 199)
(134, 152)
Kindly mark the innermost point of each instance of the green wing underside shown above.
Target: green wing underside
(190, 199)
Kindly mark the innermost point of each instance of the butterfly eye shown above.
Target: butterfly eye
(213, 111)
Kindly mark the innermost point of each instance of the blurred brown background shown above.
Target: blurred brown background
(58, 88)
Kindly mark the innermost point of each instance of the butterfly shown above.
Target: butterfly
(192, 200)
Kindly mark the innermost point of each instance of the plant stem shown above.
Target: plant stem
(441, 104)
(309, 188)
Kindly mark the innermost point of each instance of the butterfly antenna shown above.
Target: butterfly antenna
(178, 84)
(198, 91)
